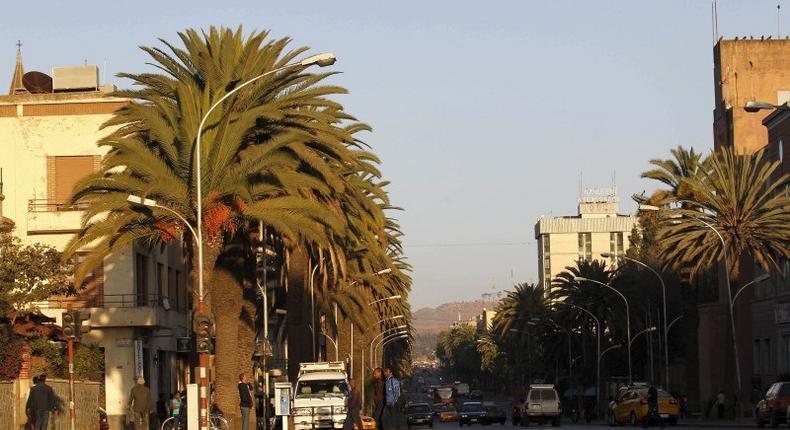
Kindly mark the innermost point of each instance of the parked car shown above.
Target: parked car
(773, 408)
(495, 415)
(471, 413)
(368, 423)
(630, 406)
(542, 405)
(419, 414)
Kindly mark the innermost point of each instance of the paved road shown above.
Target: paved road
(454, 426)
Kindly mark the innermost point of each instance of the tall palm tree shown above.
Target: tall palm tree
(736, 195)
(686, 163)
(274, 152)
(518, 307)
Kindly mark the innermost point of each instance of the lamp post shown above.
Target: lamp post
(598, 350)
(663, 299)
(401, 327)
(384, 341)
(362, 362)
(325, 59)
(351, 340)
(627, 318)
(647, 330)
(312, 309)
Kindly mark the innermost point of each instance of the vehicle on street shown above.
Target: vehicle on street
(444, 395)
(419, 414)
(445, 413)
(773, 408)
(542, 405)
(461, 389)
(494, 415)
(320, 396)
(471, 413)
(630, 406)
(368, 423)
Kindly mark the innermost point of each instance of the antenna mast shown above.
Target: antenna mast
(778, 20)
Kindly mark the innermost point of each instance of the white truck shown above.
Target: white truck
(320, 396)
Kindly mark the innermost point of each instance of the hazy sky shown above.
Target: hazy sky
(484, 112)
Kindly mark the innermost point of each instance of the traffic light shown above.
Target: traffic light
(202, 333)
(71, 324)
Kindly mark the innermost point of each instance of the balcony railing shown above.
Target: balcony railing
(47, 205)
(110, 301)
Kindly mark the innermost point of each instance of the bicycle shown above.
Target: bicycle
(215, 422)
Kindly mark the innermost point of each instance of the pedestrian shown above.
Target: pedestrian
(175, 405)
(354, 414)
(140, 405)
(245, 400)
(684, 404)
(378, 398)
(720, 402)
(391, 396)
(652, 408)
(41, 402)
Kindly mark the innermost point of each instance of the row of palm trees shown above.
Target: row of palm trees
(280, 155)
(712, 212)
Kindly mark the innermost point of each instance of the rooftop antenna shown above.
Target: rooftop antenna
(778, 20)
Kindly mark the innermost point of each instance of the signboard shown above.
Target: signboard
(282, 398)
(139, 366)
(184, 344)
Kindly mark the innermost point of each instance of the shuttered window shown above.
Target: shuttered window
(63, 172)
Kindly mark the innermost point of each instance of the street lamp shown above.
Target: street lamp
(351, 340)
(321, 60)
(598, 350)
(663, 299)
(647, 330)
(312, 309)
(755, 106)
(627, 318)
(386, 340)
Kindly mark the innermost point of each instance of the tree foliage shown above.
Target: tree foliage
(30, 274)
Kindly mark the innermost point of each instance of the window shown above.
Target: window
(585, 246)
(615, 246)
(180, 293)
(756, 357)
(141, 279)
(172, 288)
(545, 244)
(63, 172)
(786, 352)
(161, 282)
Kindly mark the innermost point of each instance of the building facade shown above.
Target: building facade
(744, 70)
(596, 229)
(138, 298)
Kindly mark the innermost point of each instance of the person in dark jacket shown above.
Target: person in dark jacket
(378, 398)
(354, 414)
(141, 406)
(40, 402)
(245, 400)
(652, 408)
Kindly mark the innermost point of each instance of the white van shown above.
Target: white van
(320, 396)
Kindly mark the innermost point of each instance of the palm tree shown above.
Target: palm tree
(737, 195)
(274, 152)
(686, 163)
(518, 307)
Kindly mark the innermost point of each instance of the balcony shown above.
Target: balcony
(120, 310)
(53, 217)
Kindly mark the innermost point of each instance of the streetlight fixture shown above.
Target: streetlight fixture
(647, 330)
(598, 350)
(627, 318)
(663, 299)
(321, 60)
(753, 106)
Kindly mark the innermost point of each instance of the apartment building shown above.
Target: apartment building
(597, 228)
(138, 298)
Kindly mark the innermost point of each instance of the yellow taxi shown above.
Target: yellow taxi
(368, 423)
(631, 407)
(446, 413)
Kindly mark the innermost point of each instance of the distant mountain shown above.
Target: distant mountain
(434, 320)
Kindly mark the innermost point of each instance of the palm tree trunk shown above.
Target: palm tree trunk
(246, 340)
(299, 335)
(226, 306)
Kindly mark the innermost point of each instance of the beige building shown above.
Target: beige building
(138, 298)
(597, 228)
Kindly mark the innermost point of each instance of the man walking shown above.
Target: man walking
(652, 408)
(245, 400)
(391, 396)
(354, 414)
(378, 398)
(40, 402)
(720, 404)
(140, 405)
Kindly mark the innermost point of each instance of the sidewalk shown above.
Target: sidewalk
(742, 422)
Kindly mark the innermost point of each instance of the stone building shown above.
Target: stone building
(138, 298)
(597, 228)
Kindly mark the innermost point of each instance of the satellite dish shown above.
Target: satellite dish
(37, 82)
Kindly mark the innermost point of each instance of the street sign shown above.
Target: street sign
(139, 366)
(184, 344)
